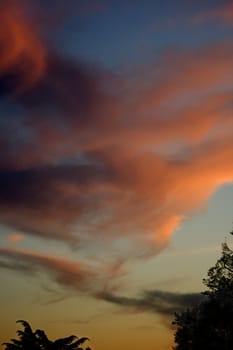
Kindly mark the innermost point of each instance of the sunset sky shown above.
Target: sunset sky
(116, 164)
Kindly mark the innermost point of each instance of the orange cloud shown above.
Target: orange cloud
(99, 156)
(16, 237)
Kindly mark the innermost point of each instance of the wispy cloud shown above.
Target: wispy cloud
(76, 277)
(64, 272)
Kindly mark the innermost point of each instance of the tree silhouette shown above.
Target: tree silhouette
(209, 325)
(27, 339)
(38, 340)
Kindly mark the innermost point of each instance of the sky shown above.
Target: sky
(116, 173)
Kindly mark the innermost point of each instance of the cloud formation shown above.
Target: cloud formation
(163, 303)
(87, 153)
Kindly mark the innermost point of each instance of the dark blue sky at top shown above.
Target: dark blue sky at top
(118, 33)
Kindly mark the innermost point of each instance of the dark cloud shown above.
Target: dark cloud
(18, 267)
(156, 301)
(53, 197)
(67, 92)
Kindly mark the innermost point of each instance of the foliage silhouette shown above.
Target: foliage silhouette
(38, 340)
(209, 325)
